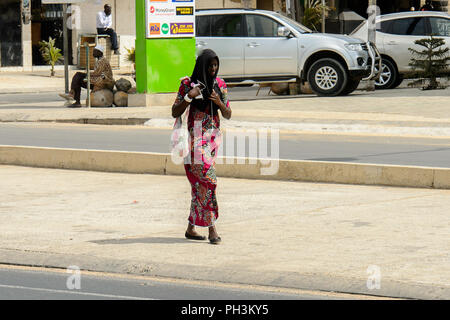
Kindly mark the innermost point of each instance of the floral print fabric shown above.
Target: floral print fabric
(204, 130)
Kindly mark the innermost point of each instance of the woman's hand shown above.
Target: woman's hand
(215, 98)
(226, 112)
(194, 92)
(178, 109)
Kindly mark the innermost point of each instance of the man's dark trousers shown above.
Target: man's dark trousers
(78, 83)
(112, 34)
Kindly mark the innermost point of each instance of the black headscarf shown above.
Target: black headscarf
(201, 73)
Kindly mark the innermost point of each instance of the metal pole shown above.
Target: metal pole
(372, 20)
(66, 48)
(88, 87)
(323, 16)
(372, 12)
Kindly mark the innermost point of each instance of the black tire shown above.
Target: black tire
(352, 84)
(389, 75)
(334, 75)
(398, 81)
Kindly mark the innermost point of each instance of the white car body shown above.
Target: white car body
(286, 54)
(394, 46)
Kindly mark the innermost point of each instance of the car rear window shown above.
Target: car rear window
(440, 26)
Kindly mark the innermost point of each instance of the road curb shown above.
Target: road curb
(244, 168)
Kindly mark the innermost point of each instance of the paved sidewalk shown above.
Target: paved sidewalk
(288, 234)
(41, 81)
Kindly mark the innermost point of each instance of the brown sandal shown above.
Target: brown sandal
(191, 237)
(215, 240)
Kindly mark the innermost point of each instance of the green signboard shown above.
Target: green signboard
(165, 44)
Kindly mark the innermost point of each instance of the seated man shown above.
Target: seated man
(104, 24)
(428, 6)
(101, 78)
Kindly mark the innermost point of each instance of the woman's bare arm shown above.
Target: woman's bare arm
(179, 108)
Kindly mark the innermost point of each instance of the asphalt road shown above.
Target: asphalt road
(317, 147)
(21, 283)
(234, 94)
(15, 99)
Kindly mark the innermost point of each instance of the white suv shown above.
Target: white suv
(396, 33)
(257, 46)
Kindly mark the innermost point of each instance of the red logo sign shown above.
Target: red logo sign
(152, 9)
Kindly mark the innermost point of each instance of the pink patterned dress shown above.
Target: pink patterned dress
(200, 169)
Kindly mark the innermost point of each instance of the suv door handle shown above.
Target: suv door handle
(392, 43)
(201, 44)
(253, 44)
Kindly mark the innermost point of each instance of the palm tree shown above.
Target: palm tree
(312, 13)
(51, 54)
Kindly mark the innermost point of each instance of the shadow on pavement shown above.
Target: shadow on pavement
(166, 240)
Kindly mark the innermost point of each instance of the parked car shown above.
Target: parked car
(396, 33)
(256, 46)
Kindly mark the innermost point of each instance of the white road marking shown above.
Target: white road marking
(74, 292)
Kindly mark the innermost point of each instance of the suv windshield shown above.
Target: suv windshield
(294, 24)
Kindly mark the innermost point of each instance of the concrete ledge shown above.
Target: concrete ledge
(91, 160)
(290, 170)
(150, 100)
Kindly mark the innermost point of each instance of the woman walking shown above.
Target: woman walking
(206, 94)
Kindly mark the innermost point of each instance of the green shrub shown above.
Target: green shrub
(432, 62)
(51, 54)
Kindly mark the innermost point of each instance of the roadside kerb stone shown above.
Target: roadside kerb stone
(441, 179)
(370, 174)
(92, 160)
(289, 170)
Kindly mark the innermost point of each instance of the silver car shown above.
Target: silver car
(256, 46)
(396, 33)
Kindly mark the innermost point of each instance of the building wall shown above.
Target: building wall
(215, 4)
(124, 23)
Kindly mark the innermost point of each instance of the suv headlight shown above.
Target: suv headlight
(354, 46)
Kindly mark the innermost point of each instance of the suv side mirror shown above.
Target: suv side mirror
(283, 32)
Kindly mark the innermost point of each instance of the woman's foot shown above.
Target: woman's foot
(192, 234)
(213, 236)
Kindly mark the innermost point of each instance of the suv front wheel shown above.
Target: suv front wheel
(327, 77)
(389, 76)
